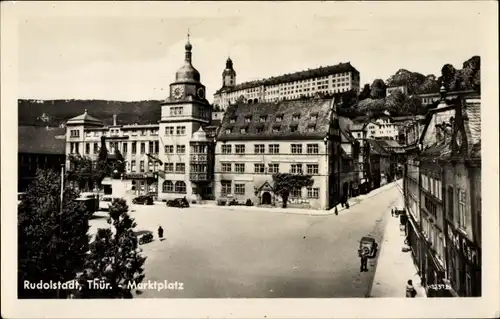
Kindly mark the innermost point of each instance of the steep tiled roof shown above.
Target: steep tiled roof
(437, 151)
(357, 126)
(301, 75)
(40, 140)
(472, 111)
(377, 149)
(299, 119)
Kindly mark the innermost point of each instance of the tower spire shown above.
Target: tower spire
(188, 48)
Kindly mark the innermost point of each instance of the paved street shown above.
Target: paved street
(220, 253)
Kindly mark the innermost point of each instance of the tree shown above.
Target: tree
(284, 183)
(365, 93)
(430, 85)
(52, 245)
(119, 163)
(411, 80)
(83, 172)
(115, 257)
(102, 166)
(378, 89)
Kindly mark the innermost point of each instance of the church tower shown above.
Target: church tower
(229, 74)
(184, 114)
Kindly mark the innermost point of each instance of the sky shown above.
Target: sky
(131, 51)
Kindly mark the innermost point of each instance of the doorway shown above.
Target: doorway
(266, 198)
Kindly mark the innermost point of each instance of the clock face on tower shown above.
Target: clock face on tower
(201, 93)
(178, 92)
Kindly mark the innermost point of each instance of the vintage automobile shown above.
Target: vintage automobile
(367, 247)
(105, 202)
(90, 200)
(178, 202)
(143, 200)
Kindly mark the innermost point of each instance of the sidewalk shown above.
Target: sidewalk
(394, 267)
(302, 211)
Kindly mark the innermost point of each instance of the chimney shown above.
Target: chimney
(114, 119)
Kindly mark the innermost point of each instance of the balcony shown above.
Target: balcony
(198, 177)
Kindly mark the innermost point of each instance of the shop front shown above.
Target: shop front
(143, 183)
(434, 278)
(464, 269)
(415, 238)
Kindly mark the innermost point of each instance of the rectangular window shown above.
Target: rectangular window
(150, 166)
(259, 168)
(450, 203)
(169, 167)
(259, 148)
(157, 147)
(312, 169)
(225, 187)
(169, 130)
(134, 147)
(143, 148)
(132, 164)
(274, 148)
(74, 133)
(169, 149)
(180, 168)
(274, 168)
(296, 148)
(142, 166)
(176, 111)
(312, 149)
(461, 209)
(226, 167)
(240, 148)
(239, 167)
(296, 193)
(181, 149)
(296, 169)
(181, 130)
(96, 148)
(125, 148)
(312, 192)
(151, 147)
(239, 189)
(226, 149)
(87, 148)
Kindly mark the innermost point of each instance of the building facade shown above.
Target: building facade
(445, 233)
(258, 140)
(38, 148)
(331, 79)
(173, 158)
(383, 128)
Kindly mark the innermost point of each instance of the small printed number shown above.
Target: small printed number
(440, 286)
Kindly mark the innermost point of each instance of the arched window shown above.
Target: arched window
(168, 187)
(255, 101)
(180, 187)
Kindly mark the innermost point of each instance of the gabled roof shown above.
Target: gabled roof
(297, 119)
(472, 124)
(377, 149)
(84, 118)
(301, 75)
(41, 140)
(357, 127)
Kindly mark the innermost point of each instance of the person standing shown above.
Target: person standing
(364, 263)
(410, 290)
(160, 232)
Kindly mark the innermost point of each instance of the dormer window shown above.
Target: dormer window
(279, 118)
(229, 130)
(244, 130)
(248, 119)
(260, 129)
(294, 128)
(263, 119)
(232, 120)
(311, 128)
(276, 128)
(314, 116)
(296, 117)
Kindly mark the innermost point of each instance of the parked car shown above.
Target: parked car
(90, 200)
(143, 200)
(105, 202)
(178, 202)
(367, 247)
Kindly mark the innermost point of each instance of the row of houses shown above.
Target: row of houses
(194, 153)
(442, 192)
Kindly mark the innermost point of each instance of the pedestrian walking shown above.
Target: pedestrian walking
(160, 232)
(364, 263)
(410, 290)
(392, 212)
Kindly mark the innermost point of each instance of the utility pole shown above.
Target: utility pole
(62, 188)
